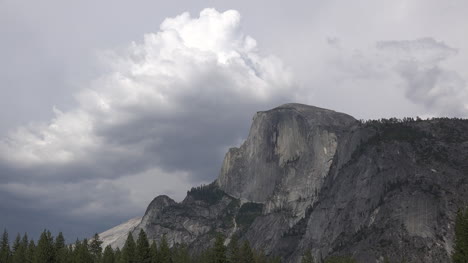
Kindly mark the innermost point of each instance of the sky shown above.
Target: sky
(106, 104)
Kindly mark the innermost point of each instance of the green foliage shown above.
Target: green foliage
(142, 248)
(219, 250)
(81, 252)
(233, 253)
(307, 257)
(246, 253)
(5, 252)
(164, 251)
(31, 252)
(95, 248)
(20, 248)
(45, 251)
(154, 253)
(207, 193)
(460, 253)
(108, 255)
(129, 250)
(180, 254)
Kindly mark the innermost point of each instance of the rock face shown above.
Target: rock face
(311, 178)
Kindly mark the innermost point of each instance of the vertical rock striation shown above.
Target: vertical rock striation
(311, 178)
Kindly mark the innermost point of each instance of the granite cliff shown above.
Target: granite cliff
(311, 178)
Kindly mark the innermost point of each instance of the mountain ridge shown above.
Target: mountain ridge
(312, 178)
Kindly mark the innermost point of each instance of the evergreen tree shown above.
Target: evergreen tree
(5, 252)
(45, 251)
(233, 250)
(129, 250)
(180, 254)
(307, 257)
(95, 248)
(164, 251)
(142, 248)
(108, 255)
(219, 250)
(154, 253)
(460, 253)
(31, 252)
(81, 252)
(246, 254)
(117, 255)
(61, 250)
(19, 249)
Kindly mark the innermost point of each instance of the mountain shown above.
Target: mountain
(311, 178)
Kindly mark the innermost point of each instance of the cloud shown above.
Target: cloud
(427, 81)
(415, 71)
(158, 121)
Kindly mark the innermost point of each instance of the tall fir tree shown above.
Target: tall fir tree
(31, 252)
(219, 250)
(45, 251)
(95, 248)
(246, 253)
(129, 250)
(154, 252)
(61, 250)
(108, 255)
(460, 252)
(233, 250)
(81, 252)
(19, 249)
(117, 255)
(142, 248)
(180, 254)
(164, 251)
(5, 253)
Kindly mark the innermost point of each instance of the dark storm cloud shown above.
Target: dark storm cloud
(156, 122)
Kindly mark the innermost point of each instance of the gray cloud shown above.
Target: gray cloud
(166, 131)
(426, 80)
(162, 116)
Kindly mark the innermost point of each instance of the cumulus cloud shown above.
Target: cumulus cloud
(158, 121)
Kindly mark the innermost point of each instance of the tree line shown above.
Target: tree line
(50, 249)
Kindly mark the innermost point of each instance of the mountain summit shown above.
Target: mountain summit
(308, 178)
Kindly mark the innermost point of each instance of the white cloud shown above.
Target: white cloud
(154, 124)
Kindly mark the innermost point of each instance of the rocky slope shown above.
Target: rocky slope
(310, 178)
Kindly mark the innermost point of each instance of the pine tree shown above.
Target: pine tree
(154, 253)
(233, 250)
(460, 254)
(95, 248)
(129, 249)
(45, 251)
(108, 255)
(307, 257)
(142, 248)
(19, 249)
(117, 255)
(164, 251)
(61, 250)
(246, 254)
(31, 252)
(219, 250)
(5, 252)
(81, 252)
(180, 254)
